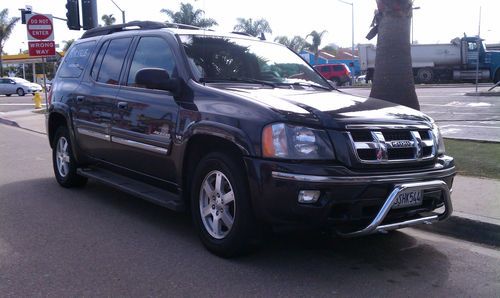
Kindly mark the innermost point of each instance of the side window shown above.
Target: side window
(338, 67)
(98, 61)
(113, 60)
(152, 52)
(325, 68)
(75, 61)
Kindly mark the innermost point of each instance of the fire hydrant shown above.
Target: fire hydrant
(38, 100)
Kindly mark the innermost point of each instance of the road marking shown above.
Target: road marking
(475, 126)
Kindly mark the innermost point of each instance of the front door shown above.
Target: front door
(144, 121)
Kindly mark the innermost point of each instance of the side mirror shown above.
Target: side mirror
(156, 78)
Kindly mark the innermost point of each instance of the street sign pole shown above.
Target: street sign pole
(45, 83)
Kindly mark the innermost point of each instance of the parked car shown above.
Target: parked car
(9, 86)
(242, 132)
(339, 74)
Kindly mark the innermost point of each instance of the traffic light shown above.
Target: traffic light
(73, 15)
(89, 14)
(24, 12)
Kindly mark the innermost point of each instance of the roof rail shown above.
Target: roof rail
(143, 25)
(242, 33)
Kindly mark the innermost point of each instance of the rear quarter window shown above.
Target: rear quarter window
(76, 60)
(338, 67)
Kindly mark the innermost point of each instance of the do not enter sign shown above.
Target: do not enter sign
(40, 27)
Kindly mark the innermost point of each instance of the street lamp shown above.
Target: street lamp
(414, 8)
(123, 11)
(352, 40)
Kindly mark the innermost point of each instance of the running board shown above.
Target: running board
(136, 188)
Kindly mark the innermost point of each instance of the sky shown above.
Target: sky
(437, 21)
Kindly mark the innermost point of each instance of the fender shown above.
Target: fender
(64, 110)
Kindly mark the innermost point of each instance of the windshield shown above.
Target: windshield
(215, 59)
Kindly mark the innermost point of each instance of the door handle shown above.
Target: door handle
(122, 105)
(80, 98)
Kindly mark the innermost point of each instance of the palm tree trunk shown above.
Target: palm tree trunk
(393, 77)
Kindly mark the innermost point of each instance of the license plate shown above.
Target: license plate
(408, 199)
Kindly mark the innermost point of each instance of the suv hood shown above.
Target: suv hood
(333, 108)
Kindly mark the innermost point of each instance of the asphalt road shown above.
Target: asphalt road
(458, 116)
(97, 241)
(16, 103)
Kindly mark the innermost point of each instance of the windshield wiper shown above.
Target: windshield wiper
(305, 85)
(238, 80)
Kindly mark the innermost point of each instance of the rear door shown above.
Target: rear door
(145, 119)
(96, 98)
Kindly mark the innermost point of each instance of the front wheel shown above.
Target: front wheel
(20, 92)
(64, 162)
(221, 208)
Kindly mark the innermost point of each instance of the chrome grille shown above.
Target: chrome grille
(390, 145)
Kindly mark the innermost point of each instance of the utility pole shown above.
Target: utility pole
(123, 11)
(352, 37)
(478, 42)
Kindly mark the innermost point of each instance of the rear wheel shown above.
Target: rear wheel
(425, 75)
(20, 91)
(64, 162)
(221, 208)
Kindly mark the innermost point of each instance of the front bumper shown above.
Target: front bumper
(353, 203)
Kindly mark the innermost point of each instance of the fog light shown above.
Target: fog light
(309, 196)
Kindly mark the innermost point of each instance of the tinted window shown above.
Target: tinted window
(98, 61)
(75, 61)
(113, 61)
(325, 68)
(151, 52)
(338, 67)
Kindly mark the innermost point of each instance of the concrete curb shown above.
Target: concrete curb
(9, 122)
(468, 229)
(487, 93)
(472, 140)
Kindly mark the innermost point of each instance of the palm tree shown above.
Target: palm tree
(108, 19)
(296, 44)
(67, 44)
(189, 16)
(254, 28)
(6, 28)
(316, 42)
(393, 77)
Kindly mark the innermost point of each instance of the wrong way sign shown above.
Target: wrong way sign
(41, 48)
(40, 27)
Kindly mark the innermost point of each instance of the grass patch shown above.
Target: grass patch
(475, 158)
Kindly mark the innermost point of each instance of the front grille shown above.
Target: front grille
(380, 145)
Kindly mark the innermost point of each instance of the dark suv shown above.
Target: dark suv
(242, 132)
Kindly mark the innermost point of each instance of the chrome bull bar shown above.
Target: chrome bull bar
(375, 225)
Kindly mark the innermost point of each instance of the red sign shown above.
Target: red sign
(40, 27)
(42, 48)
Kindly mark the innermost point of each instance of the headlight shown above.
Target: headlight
(281, 140)
(439, 139)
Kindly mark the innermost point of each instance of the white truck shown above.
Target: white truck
(455, 61)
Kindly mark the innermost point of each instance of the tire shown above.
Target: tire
(226, 228)
(425, 75)
(335, 81)
(63, 160)
(20, 92)
(8, 95)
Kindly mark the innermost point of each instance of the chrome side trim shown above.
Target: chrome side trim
(139, 145)
(385, 126)
(398, 178)
(375, 225)
(94, 134)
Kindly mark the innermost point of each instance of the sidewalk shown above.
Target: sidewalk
(476, 201)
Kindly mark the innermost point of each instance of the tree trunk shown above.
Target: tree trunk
(393, 77)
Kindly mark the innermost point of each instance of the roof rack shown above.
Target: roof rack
(242, 33)
(143, 25)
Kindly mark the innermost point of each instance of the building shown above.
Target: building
(342, 56)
